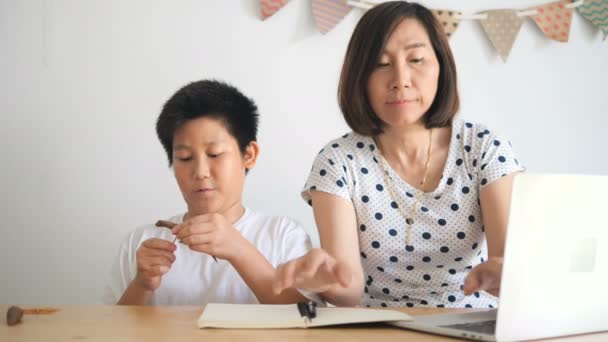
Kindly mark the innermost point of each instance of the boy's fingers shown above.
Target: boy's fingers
(195, 239)
(195, 229)
(159, 244)
(156, 271)
(160, 270)
(149, 253)
(151, 262)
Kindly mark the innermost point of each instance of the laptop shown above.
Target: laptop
(555, 271)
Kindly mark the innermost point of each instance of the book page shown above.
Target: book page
(250, 316)
(335, 316)
(259, 316)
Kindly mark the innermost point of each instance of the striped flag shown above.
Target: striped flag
(328, 13)
(596, 11)
(270, 7)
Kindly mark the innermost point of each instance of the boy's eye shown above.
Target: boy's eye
(184, 159)
(214, 155)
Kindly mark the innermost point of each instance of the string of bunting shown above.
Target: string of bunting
(500, 25)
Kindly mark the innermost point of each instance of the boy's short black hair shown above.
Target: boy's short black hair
(212, 99)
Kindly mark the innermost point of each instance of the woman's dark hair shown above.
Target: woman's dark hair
(213, 99)
(362, 55)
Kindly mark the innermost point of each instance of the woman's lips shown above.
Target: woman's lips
(400, 102)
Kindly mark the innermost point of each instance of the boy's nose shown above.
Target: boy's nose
(202, 170)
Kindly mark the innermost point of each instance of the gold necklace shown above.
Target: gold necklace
(389, 185)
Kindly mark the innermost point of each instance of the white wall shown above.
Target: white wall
(82, 82)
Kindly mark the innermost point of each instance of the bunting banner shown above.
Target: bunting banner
(448, 19)
(270, 7)
(554, 19)
(328, 13)
(596, 11)
(502, 27)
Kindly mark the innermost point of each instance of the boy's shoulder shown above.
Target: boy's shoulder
(252, 217)
(277, 226)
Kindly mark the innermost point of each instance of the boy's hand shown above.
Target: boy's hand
(211, 234)
(154, 259)
(316, 271)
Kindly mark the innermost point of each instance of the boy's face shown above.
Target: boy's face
(209, 167)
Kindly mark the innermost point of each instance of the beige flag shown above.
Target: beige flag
(502, 27)
(554, 19)
(448, 19)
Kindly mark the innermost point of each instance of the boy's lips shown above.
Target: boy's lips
(204, 191)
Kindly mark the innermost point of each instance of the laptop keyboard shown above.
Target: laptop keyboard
(485, 327)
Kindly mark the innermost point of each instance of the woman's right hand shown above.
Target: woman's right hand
(316, 271)
(154, 259)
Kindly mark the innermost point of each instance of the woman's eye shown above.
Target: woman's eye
(382, 64)
(417, 60)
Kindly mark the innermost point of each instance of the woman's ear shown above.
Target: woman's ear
(252, 151)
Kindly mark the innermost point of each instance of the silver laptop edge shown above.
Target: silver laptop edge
(555, 266)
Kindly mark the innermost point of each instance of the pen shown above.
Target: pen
(308, 309)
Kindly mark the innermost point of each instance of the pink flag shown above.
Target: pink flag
(554, 19)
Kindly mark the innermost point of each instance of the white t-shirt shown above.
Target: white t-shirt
(195, 278)
(448, 237)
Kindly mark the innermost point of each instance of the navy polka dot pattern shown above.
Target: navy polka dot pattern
(448, 236)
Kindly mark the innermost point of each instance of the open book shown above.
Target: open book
(260, 316)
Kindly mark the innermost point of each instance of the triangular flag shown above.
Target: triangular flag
(554, 19)
(328, 13)
(448, 19)
(502, 27)
(596, 11)
(270, 7)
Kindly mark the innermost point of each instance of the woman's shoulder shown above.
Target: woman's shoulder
(474, 133)
(350, 143)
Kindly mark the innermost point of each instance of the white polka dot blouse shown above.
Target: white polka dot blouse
(448, 236)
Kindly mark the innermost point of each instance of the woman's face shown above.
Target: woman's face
(403, 85)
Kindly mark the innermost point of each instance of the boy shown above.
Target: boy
(208, 129)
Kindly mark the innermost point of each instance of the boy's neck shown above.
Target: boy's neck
(232, 213)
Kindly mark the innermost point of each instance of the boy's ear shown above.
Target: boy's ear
(252, 151)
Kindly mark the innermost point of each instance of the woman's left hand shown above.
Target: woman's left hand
(485, 277)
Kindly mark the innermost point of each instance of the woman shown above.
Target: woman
(411, 206)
